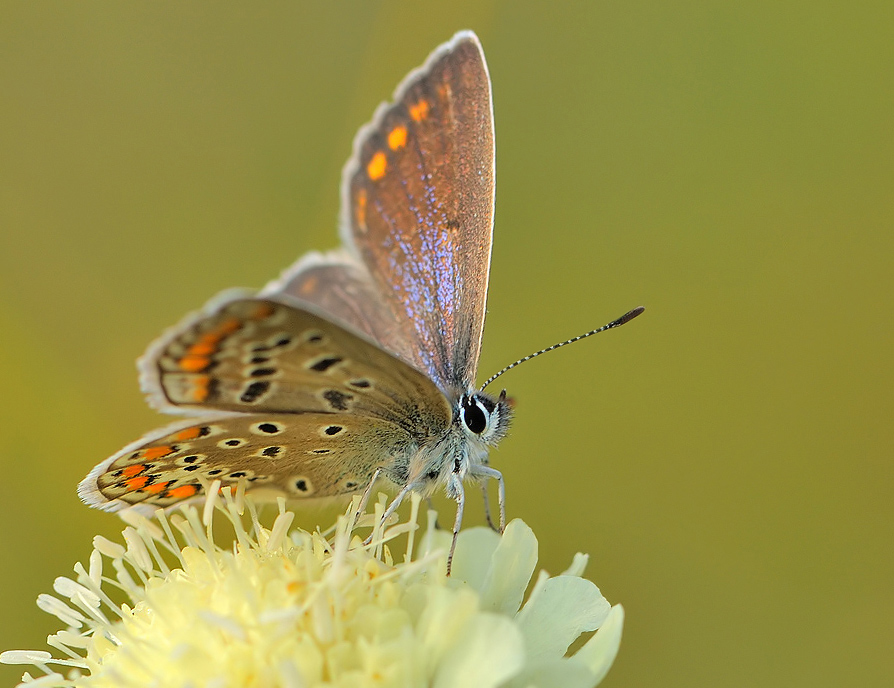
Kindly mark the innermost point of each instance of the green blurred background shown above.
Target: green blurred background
(726, 459)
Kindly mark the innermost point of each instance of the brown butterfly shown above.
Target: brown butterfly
(358, 364)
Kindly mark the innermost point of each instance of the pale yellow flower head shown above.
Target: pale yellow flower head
(284, 607)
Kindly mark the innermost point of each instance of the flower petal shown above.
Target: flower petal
(554, 673)
(578, 565)
(444, 617)
(601, 650)
(474, 551)
(512, 564)
(558, 612)
(25, 657)
(489, 652)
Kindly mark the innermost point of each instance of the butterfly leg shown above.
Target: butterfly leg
(488, 472)
(456, 488)
(490, 521)
(407, 489)
(364, 500)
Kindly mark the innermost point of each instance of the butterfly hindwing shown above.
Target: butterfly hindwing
(340, 286)
(294, 455)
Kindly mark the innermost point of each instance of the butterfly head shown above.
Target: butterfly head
(484, 417)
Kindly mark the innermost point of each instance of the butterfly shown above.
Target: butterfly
(356, 365)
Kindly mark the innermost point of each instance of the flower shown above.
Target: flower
(284, 607)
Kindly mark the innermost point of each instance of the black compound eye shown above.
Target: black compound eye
(474, 416)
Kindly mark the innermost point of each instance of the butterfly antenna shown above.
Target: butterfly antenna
(624, 319)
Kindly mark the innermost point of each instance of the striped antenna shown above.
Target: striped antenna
(626, 318)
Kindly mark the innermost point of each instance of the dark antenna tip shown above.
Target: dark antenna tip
(626, 318)
(623, 320)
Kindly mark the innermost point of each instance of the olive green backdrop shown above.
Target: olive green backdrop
(726, 459)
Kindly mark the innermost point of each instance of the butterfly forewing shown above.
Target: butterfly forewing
(259, 355)
(418, 209)
(293, 455)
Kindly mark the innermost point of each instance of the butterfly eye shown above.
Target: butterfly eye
(475, 416)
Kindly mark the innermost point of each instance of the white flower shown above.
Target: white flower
(283, 607)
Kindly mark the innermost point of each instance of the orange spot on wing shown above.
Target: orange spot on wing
(361, 209)
(182, 492)
(397, 138)
(188, 434)
(199, 391)
(263, 310)
(420, 110)
(377, 166)
(309, 286)
(197, 356)
(202, 348)
(157, 487)
(228, 326)
(194, 364)
(136, 483)
(221, 330)
(133, 470)
(156, 452)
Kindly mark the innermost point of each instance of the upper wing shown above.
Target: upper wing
(417, 209)
(255, 355)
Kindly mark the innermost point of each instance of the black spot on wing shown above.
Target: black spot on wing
(255, 391)
(338, 401)
(325, 363)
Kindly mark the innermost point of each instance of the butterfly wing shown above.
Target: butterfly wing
(293, 455)
(252, 355)
(417, 210)
(340, 285)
